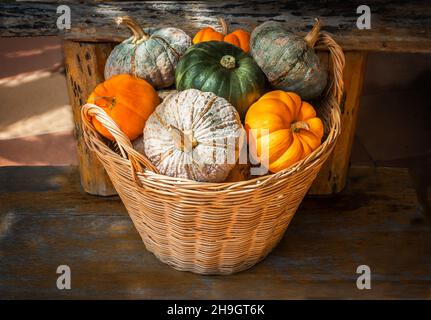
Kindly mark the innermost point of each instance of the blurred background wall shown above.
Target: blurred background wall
(36, 126)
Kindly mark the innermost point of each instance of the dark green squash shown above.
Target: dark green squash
(223, 69)
(288, 60)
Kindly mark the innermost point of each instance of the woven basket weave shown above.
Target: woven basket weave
(214, 228)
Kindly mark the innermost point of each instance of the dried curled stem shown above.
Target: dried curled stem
(224, 27)
(298, 125)
(313, 35)
(139, 34)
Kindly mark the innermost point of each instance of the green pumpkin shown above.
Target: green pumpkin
(288, 60)
(223, 69)
(150, 54)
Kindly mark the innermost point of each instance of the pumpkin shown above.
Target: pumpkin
(282, 129)
(288, 60)
(239, 37)
(150, 55)
(194, 135)
(223, 69)
(128, 101)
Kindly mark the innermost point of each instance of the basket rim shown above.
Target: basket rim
(259, 181)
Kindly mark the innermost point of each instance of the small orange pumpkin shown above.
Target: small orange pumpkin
(292, 129)
(239, 37)
(129, 101)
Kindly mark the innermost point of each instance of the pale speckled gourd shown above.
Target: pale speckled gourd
(288, 60)
(151, 54)
(194, 135)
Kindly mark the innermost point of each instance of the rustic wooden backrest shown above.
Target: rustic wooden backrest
(395, 26)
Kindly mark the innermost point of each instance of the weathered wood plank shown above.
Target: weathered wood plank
(84, 64)
(395, 26)
(47, 221)
(50, 190)
(333, 175)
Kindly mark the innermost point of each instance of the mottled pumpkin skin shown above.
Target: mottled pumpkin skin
(153, 60)
(286, 59)
(200, 68)
(210, 121)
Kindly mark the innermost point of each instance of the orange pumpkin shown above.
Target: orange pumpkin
(291, 129)
(128, 101)
(239, 37)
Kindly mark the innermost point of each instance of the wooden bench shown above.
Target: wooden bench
(395, 27)
(46, 220)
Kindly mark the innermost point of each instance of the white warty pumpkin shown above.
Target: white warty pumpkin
(194, 135)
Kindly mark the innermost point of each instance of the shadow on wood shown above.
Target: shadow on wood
(48, 221)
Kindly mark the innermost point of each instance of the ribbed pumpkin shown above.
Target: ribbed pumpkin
(292, 129)
(223, 69)
(288, 60)
(128, 101)
(239, 37)
(150, 55)
(194, 135)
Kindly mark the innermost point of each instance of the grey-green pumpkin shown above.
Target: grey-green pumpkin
(150, 54)
(288, 60)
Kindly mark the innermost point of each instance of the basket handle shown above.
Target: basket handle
(336, 87)
(127, 151)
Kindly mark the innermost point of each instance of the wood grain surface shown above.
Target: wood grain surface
(46, 221)
(402, 26)
(333, 175)
(84, 64)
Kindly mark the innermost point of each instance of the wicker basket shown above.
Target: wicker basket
(214, 228)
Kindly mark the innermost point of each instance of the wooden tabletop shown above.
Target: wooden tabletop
(47, 221)
(403, 26)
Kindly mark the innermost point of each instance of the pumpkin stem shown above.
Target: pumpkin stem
(111, 101)
(224, 27)
(183, 140)
(228, 61)
(313, 35)
(139, 34)
(298, 125)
